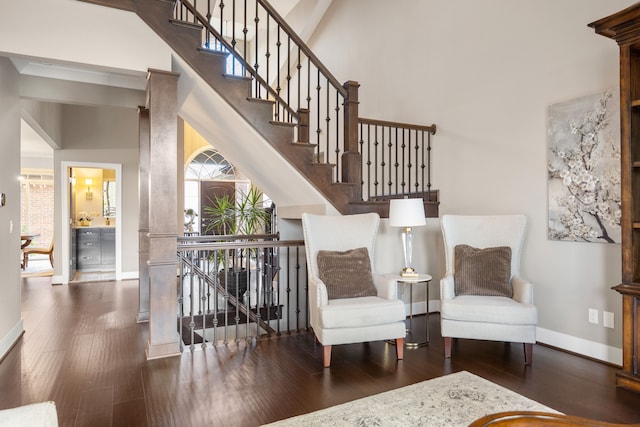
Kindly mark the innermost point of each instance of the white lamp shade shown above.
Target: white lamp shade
(406, 213)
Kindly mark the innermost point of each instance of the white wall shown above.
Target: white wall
(103, 135)
(10, 319)
(485, 73)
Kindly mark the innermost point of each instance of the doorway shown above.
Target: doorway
(91, 221)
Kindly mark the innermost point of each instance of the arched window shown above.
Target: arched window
(210, 165)
(208, 176)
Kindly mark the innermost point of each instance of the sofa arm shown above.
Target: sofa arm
(522, 290)
(386, 286)
(447, 287)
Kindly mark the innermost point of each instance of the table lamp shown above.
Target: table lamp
(407, 213)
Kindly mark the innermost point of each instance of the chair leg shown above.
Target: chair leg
(528, 353)
(400, 348)
(327, 356)
(447, 347)
(51, 258)
(25, 260)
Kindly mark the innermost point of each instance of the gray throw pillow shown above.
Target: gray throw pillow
(346, 274)
(483, 271)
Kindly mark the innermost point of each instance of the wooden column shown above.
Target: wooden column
(143, 215)
(351, 159)
(163, 131)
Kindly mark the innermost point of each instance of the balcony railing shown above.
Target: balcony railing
(234, 288)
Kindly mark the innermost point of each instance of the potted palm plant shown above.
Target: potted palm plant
(246, 216)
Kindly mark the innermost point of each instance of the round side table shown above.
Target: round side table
(419, 279)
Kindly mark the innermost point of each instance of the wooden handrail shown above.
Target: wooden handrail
(431, 129)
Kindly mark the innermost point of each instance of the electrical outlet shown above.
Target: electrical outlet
(593, 316)
(607, 319)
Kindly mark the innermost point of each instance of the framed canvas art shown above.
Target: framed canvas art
(584, 169)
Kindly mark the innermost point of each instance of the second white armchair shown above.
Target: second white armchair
(482, 293)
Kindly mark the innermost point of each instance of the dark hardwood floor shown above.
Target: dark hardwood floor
(83, 349)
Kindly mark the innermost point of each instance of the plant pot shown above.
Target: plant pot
(85, 223)
(230, 278)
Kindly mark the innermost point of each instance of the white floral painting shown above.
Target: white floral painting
(584, 169)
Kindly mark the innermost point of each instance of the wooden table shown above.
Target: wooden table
(27, 239)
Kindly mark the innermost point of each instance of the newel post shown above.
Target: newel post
(351, 159)
(303, 125)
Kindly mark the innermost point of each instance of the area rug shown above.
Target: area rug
(38, 268)
(452, 400)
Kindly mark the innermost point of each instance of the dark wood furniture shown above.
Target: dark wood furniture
(539, 419)
(624, 28)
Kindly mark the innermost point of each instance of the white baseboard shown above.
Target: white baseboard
(10, 338)
(566, 342)
(581, 346)
(129, 275)
(57, 280)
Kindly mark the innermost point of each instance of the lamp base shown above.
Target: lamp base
(408, 272)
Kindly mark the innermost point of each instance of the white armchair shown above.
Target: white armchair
(495, 318)
(350, 319)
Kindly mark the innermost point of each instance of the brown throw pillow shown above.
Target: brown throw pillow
(346, 274)
(483, 271)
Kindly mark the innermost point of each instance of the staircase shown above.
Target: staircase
(354, 171)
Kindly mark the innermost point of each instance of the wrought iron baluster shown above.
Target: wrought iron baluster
(299, 90)
(308, 84)
(278, 88)
(403, 162)
(327, 127)
(429, 165)
(361, 149)
(288, 289)
(376, 144)
(203, 297)
(396, 164)
(298, 291)
(245, 30)
(267, 56)
(234, 41)
(318, 130)
(181, 298)
(338, 162)
(417, 152)
(288, 118)
(256, 65)
(221, 7)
